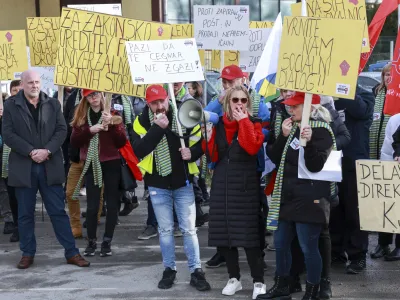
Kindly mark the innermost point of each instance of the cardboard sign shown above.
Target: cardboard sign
(91, 52)
(46, 74)
(165, 61)
(221, 27)
(230, 58)
(378, 184)
(13, 60)
(316, 57)
(182, 31)
(43, 35)
(333, 9)
(261, 24)
(111, 9)
(249, 59)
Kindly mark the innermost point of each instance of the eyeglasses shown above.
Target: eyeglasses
(236, 100)
(92, 95)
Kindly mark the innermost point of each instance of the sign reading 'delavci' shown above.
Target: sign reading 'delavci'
(43, 34)
(165, 61)
(13, 59)
(221, 27)
(249, 59)
(317, 57)
(334, 9)
(378, 184)
(91, 51)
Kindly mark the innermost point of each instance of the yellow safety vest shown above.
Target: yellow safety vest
(146, 165)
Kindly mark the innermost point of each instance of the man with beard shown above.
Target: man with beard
(168, 172)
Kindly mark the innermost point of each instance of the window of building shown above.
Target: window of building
(254, 6)
(286, 9)
(178, 11)
(269, 10)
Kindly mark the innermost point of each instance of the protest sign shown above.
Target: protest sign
(378, 184)
(182, 31)
(249, 59)
(13, 58)
(165, 61)
(230, 58)
(221, 27)
(316, 57)
(261, 24)
(43, 34)
(333, 9)
(111, 9)
(46, 74)
(91, 52)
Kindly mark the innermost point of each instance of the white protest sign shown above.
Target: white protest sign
(46, 74)
(221, 27)
(257, 38)
(378, 185)
(164, 61)
(111, 9)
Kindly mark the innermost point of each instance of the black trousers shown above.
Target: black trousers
(254, 259)
(386, 239)
(203, 187)
(198, 193)
(13, 202)
(345, 221)
(111, 178)
(325, 249)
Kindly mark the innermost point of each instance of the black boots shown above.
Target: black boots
(295, 284)
(311, 292)
(325, 290)
(201, 217)
(280, 290)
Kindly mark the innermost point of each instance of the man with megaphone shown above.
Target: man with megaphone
(168, 170)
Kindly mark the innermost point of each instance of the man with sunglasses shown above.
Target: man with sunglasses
(232, 76)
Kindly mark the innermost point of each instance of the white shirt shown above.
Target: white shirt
(391, 127)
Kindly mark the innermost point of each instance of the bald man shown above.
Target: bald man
(34, 128)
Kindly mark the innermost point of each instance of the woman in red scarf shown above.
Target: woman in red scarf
(235, 206)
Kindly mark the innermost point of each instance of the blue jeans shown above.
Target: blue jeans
(308, 235)
(163, 203)
(53, 199)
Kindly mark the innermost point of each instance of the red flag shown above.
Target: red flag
(375, 28)
(392, 102)
(131, 160)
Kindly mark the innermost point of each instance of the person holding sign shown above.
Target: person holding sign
(98, 134)
(235, 205)
(299, 204)
(168, 172)
(34, 128)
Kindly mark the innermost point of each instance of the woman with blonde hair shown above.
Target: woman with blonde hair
(99, 135)
(235, 206)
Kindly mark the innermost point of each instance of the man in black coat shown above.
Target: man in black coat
(34, 128)
(345, 220)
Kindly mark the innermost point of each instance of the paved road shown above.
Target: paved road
(135, 269)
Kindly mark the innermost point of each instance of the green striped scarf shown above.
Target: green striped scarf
(255, 102)
(78, 97)
(277, 124)
(93, 159)
(377, 130)
(5, 157)
(161, 153)
(203, 167)
(273, 214)
(126, 103)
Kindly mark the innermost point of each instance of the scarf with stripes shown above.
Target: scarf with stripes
(273, 215)
(5, 157)
(93, 159)
(377, 130)
(162, 155)
(255, 102)
(126, 103)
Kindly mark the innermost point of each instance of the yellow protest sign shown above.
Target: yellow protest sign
(91, 51)
(43, 35)
(182, 31)
(333, 9)
(13, 58)
(261, 24)
(316, 57)
(230, 58)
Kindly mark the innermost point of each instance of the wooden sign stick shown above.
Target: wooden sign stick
(172, 96)
(61, 96)
(107, 102)
(306, 116)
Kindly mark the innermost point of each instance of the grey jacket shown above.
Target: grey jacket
(22, 136)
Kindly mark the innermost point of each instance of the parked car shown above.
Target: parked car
(378, 66)
(368, 80)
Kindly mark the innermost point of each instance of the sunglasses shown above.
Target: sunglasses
(236, 100)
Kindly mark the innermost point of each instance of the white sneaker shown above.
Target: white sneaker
(259, 289)
(232, 287)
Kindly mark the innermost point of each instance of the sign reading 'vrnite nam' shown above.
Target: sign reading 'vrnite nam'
(13, 59)
(91, 52)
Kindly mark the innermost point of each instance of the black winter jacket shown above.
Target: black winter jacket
(358, 119)
(304, 200)
(396, 143)
(148, 143)
(342, 135)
